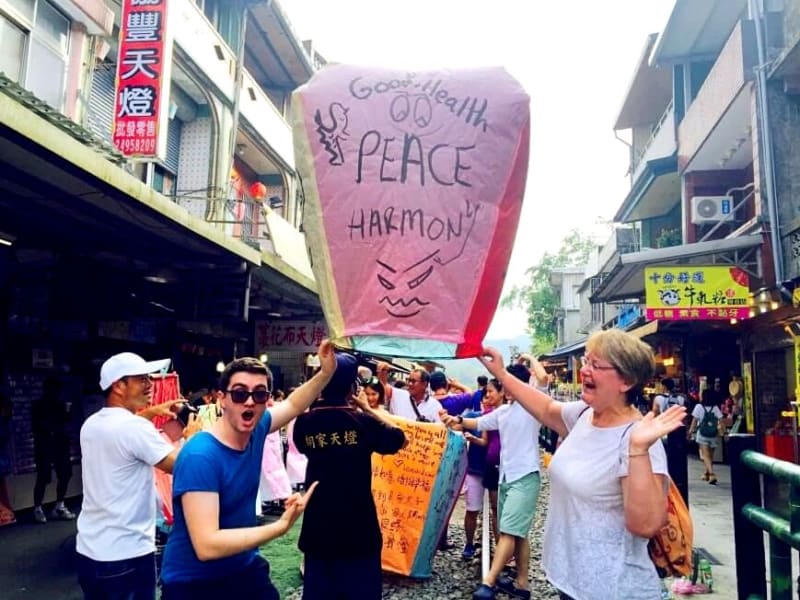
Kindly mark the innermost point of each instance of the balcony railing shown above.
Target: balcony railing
(734, 68)
(623, 240)
(662, 142)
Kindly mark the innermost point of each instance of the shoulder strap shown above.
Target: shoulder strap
(414, 406)
(622, 437)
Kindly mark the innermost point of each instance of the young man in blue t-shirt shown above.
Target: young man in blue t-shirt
(212, 549)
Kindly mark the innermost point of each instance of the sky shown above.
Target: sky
(575, 59)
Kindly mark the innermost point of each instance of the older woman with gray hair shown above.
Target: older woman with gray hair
(608, 479)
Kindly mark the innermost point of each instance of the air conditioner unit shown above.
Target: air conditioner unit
(711, 209)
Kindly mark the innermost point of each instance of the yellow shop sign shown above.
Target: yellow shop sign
(696, 292)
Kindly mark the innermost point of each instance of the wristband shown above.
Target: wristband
(460, 419)
(638, 454)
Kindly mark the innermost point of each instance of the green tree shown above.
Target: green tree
(538, 297)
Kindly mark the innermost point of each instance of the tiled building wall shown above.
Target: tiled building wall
(193, 169)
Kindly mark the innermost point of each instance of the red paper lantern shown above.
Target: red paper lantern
(258, 191)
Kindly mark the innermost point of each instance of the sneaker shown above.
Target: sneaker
(469, 552)
(38, 515)
(62, 514)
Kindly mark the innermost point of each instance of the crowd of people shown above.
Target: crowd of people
(608, 478)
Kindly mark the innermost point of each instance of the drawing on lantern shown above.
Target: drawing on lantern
(332, 134)
(398, 284)
(413, 185)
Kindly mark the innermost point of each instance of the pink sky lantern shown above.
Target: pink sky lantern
(413, 183)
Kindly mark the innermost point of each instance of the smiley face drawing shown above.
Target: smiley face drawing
(399, 282)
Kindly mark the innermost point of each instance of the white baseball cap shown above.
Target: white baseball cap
(127, 363)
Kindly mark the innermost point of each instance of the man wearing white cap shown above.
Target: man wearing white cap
(116, 525)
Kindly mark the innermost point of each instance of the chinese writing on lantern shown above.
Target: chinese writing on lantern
(301, 336)
(140, 73)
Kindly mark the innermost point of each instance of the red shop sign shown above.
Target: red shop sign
(144, 56)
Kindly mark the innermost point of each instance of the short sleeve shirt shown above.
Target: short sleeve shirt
(118, 515)
(588, 553)
(207, 465)
(341, 520)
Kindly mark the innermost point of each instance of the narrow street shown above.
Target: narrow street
(41, 561)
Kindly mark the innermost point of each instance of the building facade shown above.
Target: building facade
(712, 169)
(188, 254)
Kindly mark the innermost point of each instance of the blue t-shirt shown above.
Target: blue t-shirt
(204, 464)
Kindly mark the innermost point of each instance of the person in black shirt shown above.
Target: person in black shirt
(341, 537)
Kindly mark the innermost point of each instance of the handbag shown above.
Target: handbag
(671, 548)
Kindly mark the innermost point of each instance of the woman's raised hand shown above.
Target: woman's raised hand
(652, 428)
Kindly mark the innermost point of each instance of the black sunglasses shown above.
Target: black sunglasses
(241, 396)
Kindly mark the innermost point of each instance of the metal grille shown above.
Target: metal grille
(101, 101)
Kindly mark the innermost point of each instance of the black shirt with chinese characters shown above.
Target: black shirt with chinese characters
(340, 520)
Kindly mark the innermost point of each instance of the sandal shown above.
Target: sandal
(508, 585)
(705, 476)
(712, 479)
(484, 592)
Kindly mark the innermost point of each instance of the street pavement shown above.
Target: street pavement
(712, 516)
(37, 561)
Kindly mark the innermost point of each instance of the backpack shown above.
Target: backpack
(709, 426)
(671, 548)
(675, 400)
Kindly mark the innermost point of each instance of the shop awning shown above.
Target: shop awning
(565, 350)
(625, 281)
(644, 330)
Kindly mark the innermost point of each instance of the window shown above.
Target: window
(12, 49)
(163, 181)
(25, 7)
(34, 43)
(598, 312)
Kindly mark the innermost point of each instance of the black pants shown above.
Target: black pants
(563, 596)
(342, 579)
(128, 579)
(252, 583)
(49, 457)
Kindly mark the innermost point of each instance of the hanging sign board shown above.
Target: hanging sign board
(141, 102)
(692, 292)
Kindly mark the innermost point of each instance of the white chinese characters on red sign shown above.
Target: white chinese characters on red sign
(298, 336)
(140, 73)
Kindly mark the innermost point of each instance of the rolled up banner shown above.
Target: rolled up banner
(413, 187)
(415, 491)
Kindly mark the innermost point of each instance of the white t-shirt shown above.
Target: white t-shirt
(118, 517)
(400, 404)
(664, 401)
(519, 440)
(429, 408)
(587, 552)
